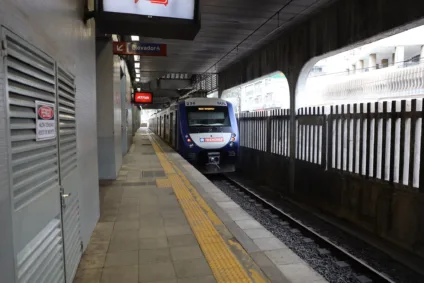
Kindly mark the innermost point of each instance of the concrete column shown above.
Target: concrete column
(422, 55)
(384, 63)
(360, 66)
(372, 63)
(399, 56)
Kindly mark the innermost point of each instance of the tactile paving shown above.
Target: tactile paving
(223, 263)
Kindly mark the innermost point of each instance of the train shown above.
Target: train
(204, 131)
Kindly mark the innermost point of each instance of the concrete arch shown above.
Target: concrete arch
(266, 92)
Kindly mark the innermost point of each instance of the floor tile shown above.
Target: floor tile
(258, 233)
(120, 274)
(151, 232)
(121, 258)
(268, 244)
(192, 268)
(201, 279)
(156, 255)
(151, 222)
(159, 271)
(178, 230)
(182, 240)
(124, 235)
(153, 243)
(90, 261)
(97, 247)
(283, 256)
(248, 224)
(123, 245)
(299, 273)
(126, 225)
(88, 275)
(186, 252)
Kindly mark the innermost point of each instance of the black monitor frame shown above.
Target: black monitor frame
(147, 26)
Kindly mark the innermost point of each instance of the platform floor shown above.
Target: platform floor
(164, 222)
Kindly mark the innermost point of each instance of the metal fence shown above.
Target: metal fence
(379, 140)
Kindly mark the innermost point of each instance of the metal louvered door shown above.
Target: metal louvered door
(68, 172)
(34, 174)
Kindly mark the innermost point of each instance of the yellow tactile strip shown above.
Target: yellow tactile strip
(163, 183)
(223, 263)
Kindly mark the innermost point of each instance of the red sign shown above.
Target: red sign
(45, 113)
(143, 97)
(213, 139)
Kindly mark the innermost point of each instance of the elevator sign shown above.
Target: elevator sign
(139, 48)
(45, 121)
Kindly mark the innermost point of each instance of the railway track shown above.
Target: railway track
(343, 259)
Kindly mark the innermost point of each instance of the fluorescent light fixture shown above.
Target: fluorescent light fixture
(137, 79)
(137, 71)
(137, 65)
(139, 89)
(137, 58)
(137, 75)
(135, 38)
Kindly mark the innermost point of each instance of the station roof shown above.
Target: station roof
(229, 29)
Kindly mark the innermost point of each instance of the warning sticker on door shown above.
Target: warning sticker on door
(45, 121)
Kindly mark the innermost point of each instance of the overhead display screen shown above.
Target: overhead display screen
(143, 98)
(178, 9)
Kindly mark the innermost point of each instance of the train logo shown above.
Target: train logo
(162, 2)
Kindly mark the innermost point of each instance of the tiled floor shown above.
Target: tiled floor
(143, 234)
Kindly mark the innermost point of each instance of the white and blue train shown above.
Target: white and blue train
(202, 130)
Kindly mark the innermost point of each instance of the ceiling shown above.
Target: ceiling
(229, 28)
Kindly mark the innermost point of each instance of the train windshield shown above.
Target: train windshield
(207, 116)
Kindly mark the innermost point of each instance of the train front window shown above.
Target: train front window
(207, 116)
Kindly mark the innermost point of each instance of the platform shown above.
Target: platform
(162, 221)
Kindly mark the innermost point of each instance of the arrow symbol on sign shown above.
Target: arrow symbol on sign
(120, 48)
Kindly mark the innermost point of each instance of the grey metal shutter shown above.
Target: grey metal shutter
(31, 77)
(69, 178)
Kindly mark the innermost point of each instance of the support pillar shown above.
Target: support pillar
(360, 66)
(399, 56)
(372, 63)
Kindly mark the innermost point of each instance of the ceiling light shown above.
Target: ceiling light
(135, 38)
(137, 65)
(137, 79)
(137, 75)
(137, 71)
(136, 57)
(139, 89)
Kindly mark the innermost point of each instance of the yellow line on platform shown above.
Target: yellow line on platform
(223, 263)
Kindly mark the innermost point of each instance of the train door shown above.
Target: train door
(171, 129)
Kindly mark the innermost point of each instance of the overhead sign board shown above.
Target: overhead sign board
(139, 48)
(168, 19)
(177, 9)
(143, 98)
(45, 121)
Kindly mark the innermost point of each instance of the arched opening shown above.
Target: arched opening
(264, 93)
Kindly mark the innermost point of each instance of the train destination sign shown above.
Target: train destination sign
(139, 48)
(45, 121)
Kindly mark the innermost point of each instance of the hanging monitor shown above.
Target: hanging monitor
(169, 19)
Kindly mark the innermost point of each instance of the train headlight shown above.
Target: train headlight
(233, 135)
(191, 145)
(189, 140)
(231, 143)
(233, 139)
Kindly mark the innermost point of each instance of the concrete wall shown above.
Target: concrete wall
(105, 117)
(55, 26)
(117, 113)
